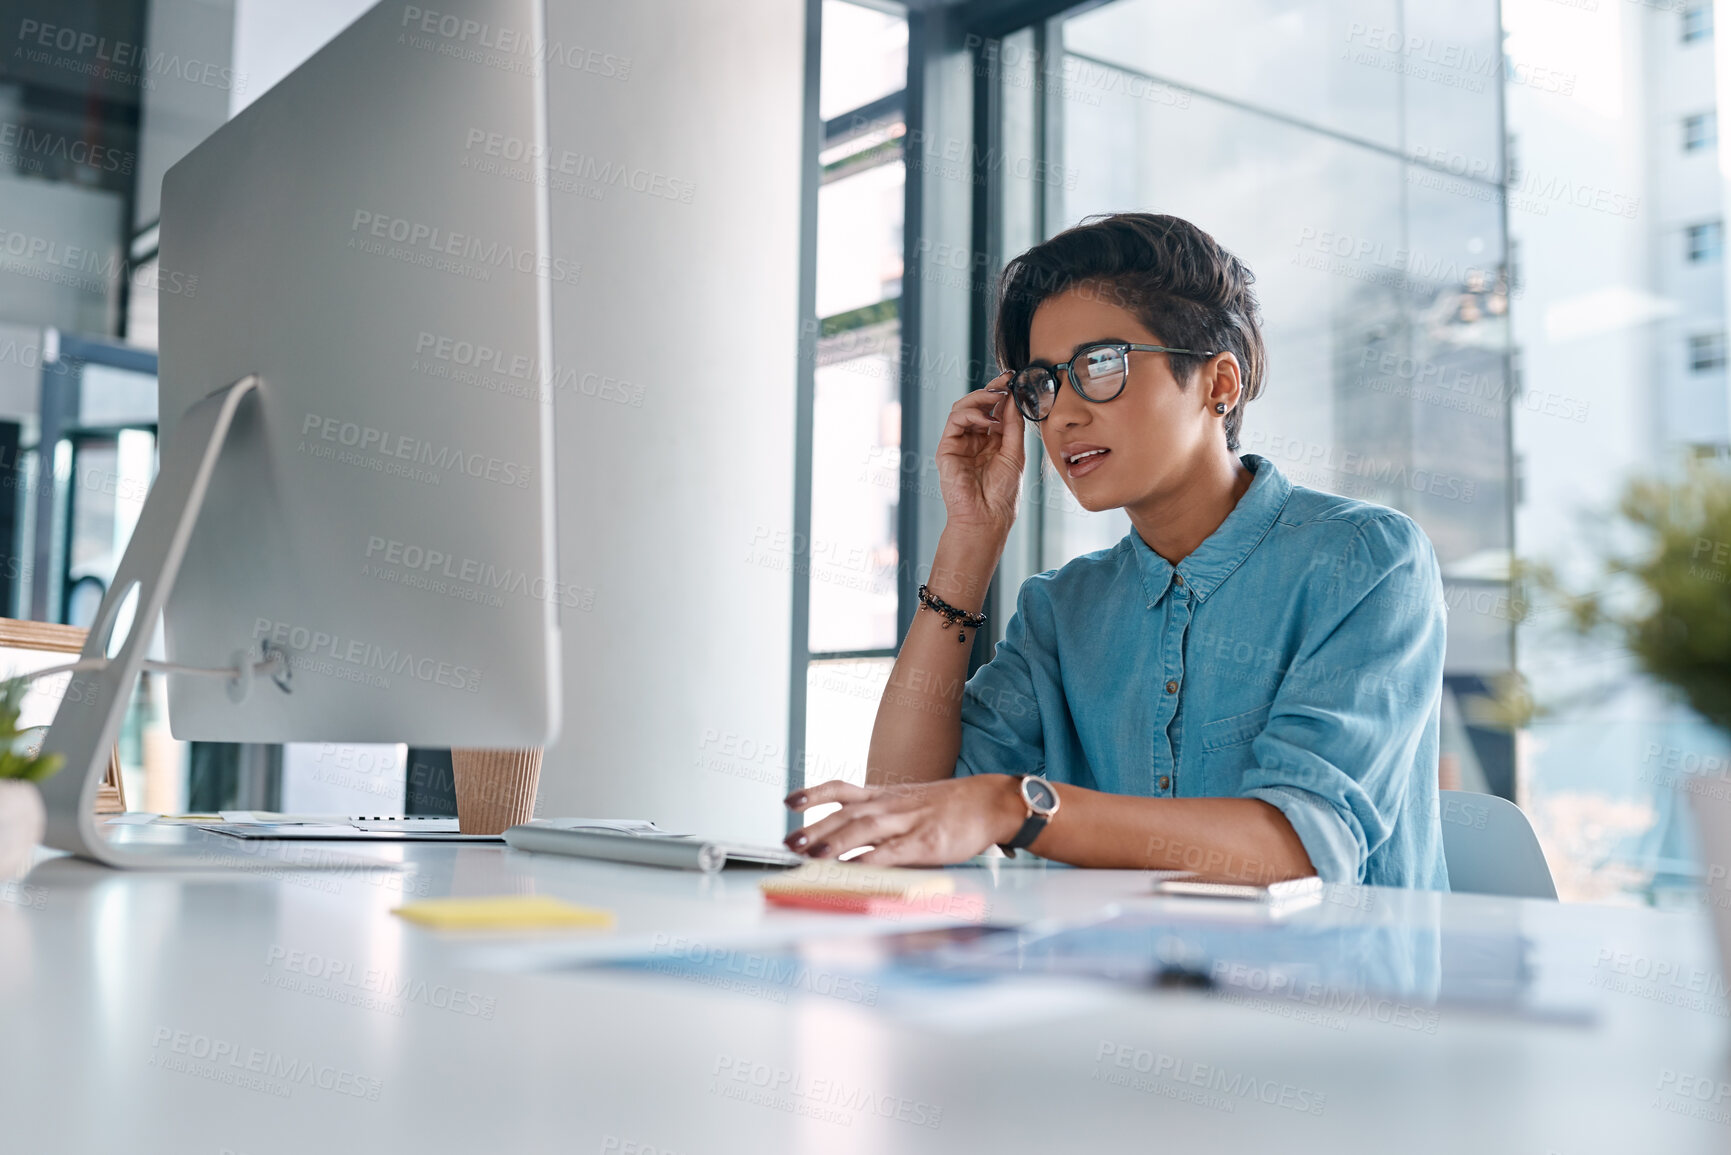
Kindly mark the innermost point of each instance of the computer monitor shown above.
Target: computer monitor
(368, 242)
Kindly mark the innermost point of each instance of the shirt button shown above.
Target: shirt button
(1165, 782)
(1178, 578)
(1171, 687)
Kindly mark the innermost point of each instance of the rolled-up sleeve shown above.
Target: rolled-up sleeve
(1349, 717)
(1001, 731)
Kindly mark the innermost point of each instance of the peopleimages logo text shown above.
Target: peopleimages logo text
(552, 378)
(43, 144)
(171, 1050)
(477, 573)
(375, 981)
(117, 60)
(483, 37)
(306, 642)
(437, 241)
(578, 165)
(366, 439)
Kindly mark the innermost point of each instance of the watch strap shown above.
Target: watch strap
(1025, 836)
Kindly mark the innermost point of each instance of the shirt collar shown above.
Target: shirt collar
(1225, 549)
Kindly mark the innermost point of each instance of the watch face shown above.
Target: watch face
(1039, 795)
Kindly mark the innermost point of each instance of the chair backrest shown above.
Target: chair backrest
(1490, 847)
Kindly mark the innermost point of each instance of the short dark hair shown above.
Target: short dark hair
(1176, 279)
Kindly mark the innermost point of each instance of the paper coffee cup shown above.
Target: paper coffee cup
(495, 788)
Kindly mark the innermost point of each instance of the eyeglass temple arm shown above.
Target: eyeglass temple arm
(1127, 345)
(1168, 349)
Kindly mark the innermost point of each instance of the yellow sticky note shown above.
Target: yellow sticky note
(503, 912)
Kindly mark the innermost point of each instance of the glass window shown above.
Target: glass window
(1706, 242)
(69, 154)
(92, 556)
(856, 411)
(865, 57)
(1355, 162)
(1697, 22)
(1380, 270)
(1707, 351)
(1621, 337)
(856, 476)
(856, 415)
(1414, 77)
(1700, 131)
(841, 706)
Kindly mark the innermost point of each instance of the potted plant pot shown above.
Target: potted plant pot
(21, 825)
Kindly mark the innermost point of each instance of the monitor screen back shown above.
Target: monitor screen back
(370, 238)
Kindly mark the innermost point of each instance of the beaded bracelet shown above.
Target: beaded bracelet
(951, 615)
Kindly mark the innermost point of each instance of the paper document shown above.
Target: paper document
(262, 824)
(343, 830)
(641, 826)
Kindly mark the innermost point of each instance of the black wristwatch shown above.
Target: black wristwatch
(1042, 802)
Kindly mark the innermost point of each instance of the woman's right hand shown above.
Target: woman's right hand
(980, 458)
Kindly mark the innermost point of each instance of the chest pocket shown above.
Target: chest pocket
(1234, 730)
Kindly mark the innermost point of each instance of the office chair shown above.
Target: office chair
(1490, 847)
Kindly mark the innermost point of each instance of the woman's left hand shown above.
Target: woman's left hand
(911, 824)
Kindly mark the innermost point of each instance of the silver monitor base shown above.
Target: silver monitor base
(94, 706)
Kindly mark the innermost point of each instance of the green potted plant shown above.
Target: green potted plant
(1668, 601)
(22, 765)
(1660, 593)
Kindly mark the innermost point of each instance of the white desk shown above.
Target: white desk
(109, 982)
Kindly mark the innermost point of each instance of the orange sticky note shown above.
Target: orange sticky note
(964, 906)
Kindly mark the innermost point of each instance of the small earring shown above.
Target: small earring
(1220, 408)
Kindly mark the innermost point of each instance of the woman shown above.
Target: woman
(1247, 685)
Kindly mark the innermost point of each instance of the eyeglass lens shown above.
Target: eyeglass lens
(1098, 375)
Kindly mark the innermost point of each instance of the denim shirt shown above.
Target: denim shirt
(1295, 656)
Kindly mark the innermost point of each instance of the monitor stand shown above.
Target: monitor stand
(94, 706)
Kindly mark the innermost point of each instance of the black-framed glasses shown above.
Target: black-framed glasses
(1097, 373)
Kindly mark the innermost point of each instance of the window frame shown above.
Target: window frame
(1708, 136)
(952, 100)
(940, 320)
(1697, 21)
(880, 113)
(1704, 242)
(1713, 345)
